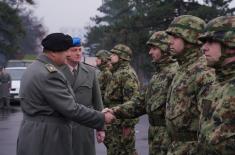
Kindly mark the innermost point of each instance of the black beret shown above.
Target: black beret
(57, 42)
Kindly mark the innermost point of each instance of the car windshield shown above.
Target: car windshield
(16, 74)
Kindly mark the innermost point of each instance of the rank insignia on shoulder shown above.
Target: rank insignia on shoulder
(51, 68)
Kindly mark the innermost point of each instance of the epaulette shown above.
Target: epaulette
(51, 68)
(90, 65)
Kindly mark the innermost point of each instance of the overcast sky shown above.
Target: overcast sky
(68, 16)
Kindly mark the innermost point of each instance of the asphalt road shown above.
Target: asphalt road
(10, 120)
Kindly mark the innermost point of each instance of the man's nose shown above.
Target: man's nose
(204, 48)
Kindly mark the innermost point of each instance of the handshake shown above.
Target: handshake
(109, 115)
(109, 118)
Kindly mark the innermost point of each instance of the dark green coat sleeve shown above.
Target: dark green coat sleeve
(58, 93)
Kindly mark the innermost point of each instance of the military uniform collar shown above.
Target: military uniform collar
(226, 72)
(189, 57)
(158, 66)
(71, 68)
(103, 67)
(45, 59)
(120, 65)
(82, 66)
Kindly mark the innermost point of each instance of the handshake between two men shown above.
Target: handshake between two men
(109, 118)
(109, 115)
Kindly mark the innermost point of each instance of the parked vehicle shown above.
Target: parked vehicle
(16, 75)
(19, 63)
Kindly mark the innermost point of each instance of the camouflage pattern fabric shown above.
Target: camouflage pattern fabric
(187, 27)
(104, 77)
(220, 29)
(217, 128)
(116, 143)
(161, 40)
(217, 105)
(122, 87)
(182, 114)
(155, 106)
(105, 74)
(104, 55)
(123, 51)
(153, 101)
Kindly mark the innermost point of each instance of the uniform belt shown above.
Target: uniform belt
(157, 121)
(185, 136)
(46, 119)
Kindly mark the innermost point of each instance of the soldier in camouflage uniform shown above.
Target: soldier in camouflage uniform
(182, 114)
(120, 136)
(217, 121)
(153, 101)
(103, 63)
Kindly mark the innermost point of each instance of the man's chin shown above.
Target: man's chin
(173, 53)
(77, 61)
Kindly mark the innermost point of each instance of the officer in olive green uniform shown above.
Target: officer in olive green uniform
(120, 136)
(84, 82)
(153, 102)
(105, 75)
(217, 106)
(182, 114)
(48, 104)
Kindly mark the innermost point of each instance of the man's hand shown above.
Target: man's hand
(105, 110)
(100, 135)
(109, 117)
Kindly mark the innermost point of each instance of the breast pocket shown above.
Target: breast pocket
(84, 94)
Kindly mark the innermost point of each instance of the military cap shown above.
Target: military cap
(76, 41)
(187, 27)
(221, 29)
(123, 51)
(57, 42)
(103, 55)
(160, 39)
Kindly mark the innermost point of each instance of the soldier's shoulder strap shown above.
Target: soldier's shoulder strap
(51, 68)
(90, 65)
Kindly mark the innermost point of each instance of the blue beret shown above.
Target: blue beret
(76, 41)
(57, 42)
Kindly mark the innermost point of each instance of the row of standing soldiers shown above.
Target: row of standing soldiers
(190, 99)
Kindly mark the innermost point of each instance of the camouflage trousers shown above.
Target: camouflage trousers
(183, 148)
(158, 140)
(226, 147)
(116, 143)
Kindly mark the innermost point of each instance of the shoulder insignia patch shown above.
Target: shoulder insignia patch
(51, 68)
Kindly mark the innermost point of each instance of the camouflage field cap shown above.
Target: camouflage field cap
(160, 39)
(187, 27)
(221, 29)
(104, 55)
(123, 51)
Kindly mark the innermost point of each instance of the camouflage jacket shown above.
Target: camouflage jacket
(104, 77)
(154, 100)
(182, 99)
(218, 108)
(123, 86)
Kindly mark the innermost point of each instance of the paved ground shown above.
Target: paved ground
(10, 120)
